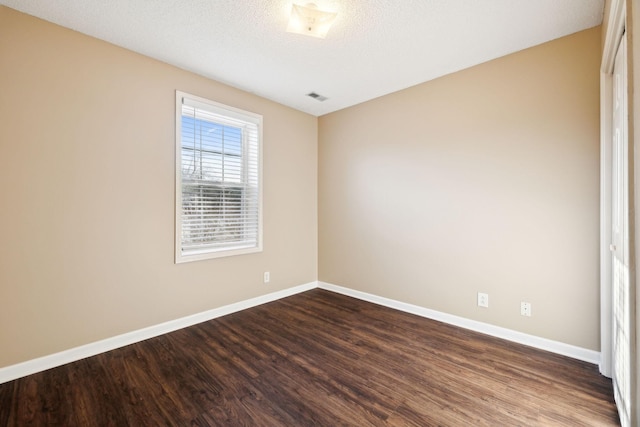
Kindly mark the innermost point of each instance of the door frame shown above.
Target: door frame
(623, 16)
(613, 37)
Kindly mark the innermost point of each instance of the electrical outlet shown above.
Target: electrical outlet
(525, 309)
(267, 277)
(483, 300)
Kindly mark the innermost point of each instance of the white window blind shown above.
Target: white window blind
(218, 188)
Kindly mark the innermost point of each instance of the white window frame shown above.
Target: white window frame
(235, 115)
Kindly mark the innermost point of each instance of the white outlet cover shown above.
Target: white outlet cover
(483, 300)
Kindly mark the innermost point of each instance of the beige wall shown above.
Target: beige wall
(484, 180)
(605, 21)
(87, 188)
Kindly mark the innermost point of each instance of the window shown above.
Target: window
(218, 180)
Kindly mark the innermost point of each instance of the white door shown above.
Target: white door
(620, 237)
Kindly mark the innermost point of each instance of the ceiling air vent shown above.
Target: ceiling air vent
(317, 96)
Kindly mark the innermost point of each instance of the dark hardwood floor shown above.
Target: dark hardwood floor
(315, 359)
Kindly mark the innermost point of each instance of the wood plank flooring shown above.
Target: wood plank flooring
(315, 359)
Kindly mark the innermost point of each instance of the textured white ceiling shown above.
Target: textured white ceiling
(375, 46)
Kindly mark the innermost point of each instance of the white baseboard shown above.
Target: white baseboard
(40, 364)
(568, 350)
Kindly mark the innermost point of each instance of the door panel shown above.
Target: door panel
(620, 239)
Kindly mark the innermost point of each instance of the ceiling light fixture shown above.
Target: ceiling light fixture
(310, 21)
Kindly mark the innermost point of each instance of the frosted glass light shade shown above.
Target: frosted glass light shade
(310, 21)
